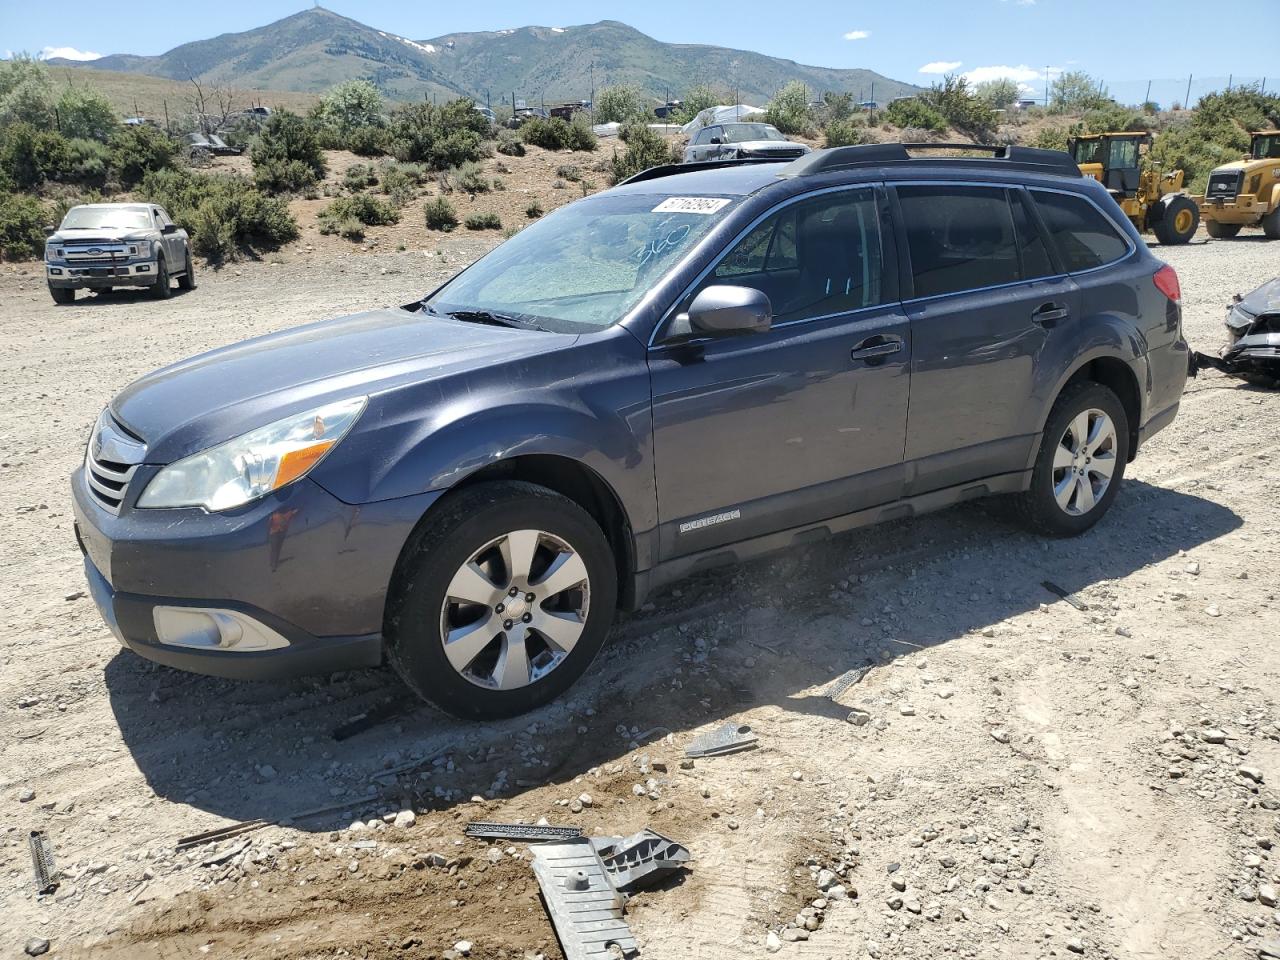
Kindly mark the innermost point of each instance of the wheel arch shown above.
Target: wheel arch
(1117, 375)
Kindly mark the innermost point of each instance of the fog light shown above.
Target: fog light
(144, 268)
(212, 629)
(55, 271)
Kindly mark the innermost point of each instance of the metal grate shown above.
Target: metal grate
(111, 461)
(1224, 186)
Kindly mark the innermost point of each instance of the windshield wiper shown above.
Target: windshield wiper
(493, 319)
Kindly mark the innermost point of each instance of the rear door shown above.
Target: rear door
(984, 297)
(806, 421)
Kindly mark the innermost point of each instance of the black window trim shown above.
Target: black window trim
(888, 268)
(1130, 247)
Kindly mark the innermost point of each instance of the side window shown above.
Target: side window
(702, 136)
(715, 133)
(1124, 154)
(812, 258)
(1084, 237)
(960, 238)
(1036, 261)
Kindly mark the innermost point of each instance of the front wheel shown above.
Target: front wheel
(501, 601)
(162, 290)
(62, 294)
(1179, 221)
(1271, 224)
(1078, 471)
(1221, 231)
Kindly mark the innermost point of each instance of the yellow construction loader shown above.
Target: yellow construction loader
(1247, 192)
(1153, 200)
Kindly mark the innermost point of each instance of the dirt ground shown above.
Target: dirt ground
(1033, 780)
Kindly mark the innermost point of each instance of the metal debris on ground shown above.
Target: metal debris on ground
(374, 716)
(217, 859)
(42, 862)
(729, 738)
(846, 680)
(640, 860)
(527, 832)
(1069, 597)
(585, 909)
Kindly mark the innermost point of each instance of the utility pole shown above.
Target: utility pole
(1186, 101)
(1147, 98)
(1229, 79)
(873, 102)
(1046, 86)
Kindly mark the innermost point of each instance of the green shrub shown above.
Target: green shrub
(359, 176)
(400, 181)
(22, 223)
(534, 210)
(568, 171)
(1052, 138)
(138, 150)
(582, 138)
(85, 114)
(1114, 117)
(440, 214)
(509, 144)
(620, 105)
(845, 133)
(88, 162)
(557, 134)
(351, 106)
(499, 183)
(914, 113)
(645, 149)
(960, 107)
(360, 207)
(222, 212)
(1000, 94)
(483, 221)
(789, 111)
(367, 141)
(439, 137)
(697, 99)
(26, 92)
(1075, 92)
(470, 178)
(286, 155)
(29, 156)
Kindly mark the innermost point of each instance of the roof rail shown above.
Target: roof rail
(671, 169)
(877, 154)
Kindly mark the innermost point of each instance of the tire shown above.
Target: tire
(1271, 224)
(1040, 506)
(188, 279)
(1179, 221)
(162, 289)
(1221, 231)
(62, 295)
(462, 548)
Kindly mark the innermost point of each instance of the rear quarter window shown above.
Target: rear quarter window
(1084, 237)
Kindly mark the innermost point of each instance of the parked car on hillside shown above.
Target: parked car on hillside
(211, 144)
(690, 369)
(101, 246)
(741, 141)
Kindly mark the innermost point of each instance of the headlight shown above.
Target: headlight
(251, 466)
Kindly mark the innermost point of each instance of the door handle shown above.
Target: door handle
(875, 349)
(1048, 314)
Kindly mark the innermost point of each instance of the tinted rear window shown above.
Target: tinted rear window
(960, 238)
(1084, 237)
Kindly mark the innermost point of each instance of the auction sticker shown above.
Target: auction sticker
(690, 205)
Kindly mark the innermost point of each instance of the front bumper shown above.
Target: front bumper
(1245, 208)
(307, 568)
(69, 275)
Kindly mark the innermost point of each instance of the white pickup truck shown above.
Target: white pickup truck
(100, 246)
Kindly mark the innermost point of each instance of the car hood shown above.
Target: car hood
(98, 235)
(208, 399)
(1264, 300)
(765, 145)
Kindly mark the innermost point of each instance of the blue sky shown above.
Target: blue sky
(1016, 38)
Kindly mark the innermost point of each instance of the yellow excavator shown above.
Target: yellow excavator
(1153, 200)
(1247, 192)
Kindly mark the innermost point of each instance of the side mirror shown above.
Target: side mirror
(717, 140)
(169, 228)
(725, 310)
(50, 231)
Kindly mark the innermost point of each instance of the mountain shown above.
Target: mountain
(315, 49)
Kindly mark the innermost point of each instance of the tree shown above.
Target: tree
(961, 107)
(1075, 92)
(286, 156)
(789, 111)
(619, 105)
(26, 92)
(836, 106)
(138, 150)
(999, 94)
(85, 114)
(213, 108)
(696, 100)
(352, 105)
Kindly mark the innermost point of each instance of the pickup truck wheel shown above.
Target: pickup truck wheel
(162, 290)
(1221, 231)
(1078, 471)
(188, 279)
(1271, 224)
(62, 294)
(500, 601)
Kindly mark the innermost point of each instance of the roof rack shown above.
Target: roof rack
(671, 169)
(877, 154)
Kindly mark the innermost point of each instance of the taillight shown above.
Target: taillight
(1166, 281)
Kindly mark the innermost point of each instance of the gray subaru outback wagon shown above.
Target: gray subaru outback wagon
(704, 363)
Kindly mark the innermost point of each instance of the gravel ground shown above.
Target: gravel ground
(1031, 779)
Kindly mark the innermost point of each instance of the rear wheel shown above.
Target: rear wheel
(501, 601)
(1179, 221)
(162, 290)
(1271, 224)
(62, 294)
(1083, 452)
(1221, 231)
(188, 279)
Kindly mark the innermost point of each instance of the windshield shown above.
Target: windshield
(1087, 151)
(118, 218)
(1266, 148)
(584, 266)
(742, 132)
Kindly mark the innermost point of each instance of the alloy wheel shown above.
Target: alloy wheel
(1084, 462)
(515, 610)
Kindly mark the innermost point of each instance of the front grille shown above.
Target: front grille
(111, 461)
(781, 153)
(1224, 186)
(100, 253)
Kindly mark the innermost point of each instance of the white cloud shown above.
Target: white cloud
(857, 34)
(1028, 79)
(940, 66)
(68, 53)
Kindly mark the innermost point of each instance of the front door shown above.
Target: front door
(806, 421)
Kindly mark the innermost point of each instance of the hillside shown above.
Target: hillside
(315, 49)
(132, 94)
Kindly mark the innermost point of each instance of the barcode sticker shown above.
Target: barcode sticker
(690, 205)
